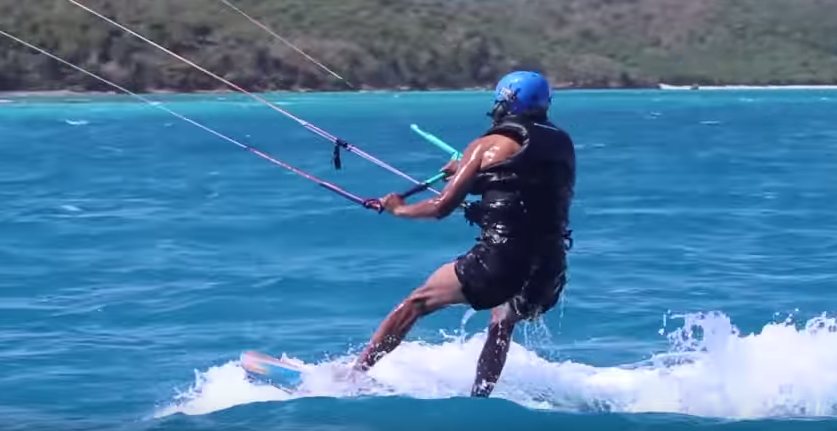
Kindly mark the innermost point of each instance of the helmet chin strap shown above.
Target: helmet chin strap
(500, 110)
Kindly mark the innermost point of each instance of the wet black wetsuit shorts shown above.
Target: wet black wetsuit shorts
(512, 272)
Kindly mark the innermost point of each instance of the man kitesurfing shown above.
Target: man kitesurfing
(523, 168)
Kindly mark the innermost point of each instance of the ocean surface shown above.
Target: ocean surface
(140, 255)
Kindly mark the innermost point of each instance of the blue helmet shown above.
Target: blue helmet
(522, 92)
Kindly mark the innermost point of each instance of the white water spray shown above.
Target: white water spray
(711, 370)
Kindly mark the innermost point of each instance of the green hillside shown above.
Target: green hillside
(423, 43)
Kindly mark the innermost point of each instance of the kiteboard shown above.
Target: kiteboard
(284, 373)
(287, 374)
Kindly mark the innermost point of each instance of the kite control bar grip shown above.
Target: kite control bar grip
(374, 204)
(377, 205)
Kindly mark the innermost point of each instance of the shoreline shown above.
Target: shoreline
(660, 86)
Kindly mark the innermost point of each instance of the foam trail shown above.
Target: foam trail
(220, 388)
(710, 370)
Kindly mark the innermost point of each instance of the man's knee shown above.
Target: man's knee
(433, 297)
(503, 315)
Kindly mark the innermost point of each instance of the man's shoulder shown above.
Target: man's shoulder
(561, 133)
(512, 130)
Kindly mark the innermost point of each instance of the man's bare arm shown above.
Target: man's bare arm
(481, 153)
(454, 192)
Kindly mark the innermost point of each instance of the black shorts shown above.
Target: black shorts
(529, 282)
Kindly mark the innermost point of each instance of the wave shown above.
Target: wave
(711, 374)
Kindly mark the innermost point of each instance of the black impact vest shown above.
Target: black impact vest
(527, 197)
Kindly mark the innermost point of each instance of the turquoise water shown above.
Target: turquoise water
(141, 255)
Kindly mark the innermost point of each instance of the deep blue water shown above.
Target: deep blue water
(139, 256)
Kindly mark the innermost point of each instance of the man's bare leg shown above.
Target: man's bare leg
(494, 351)
(441, 289)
